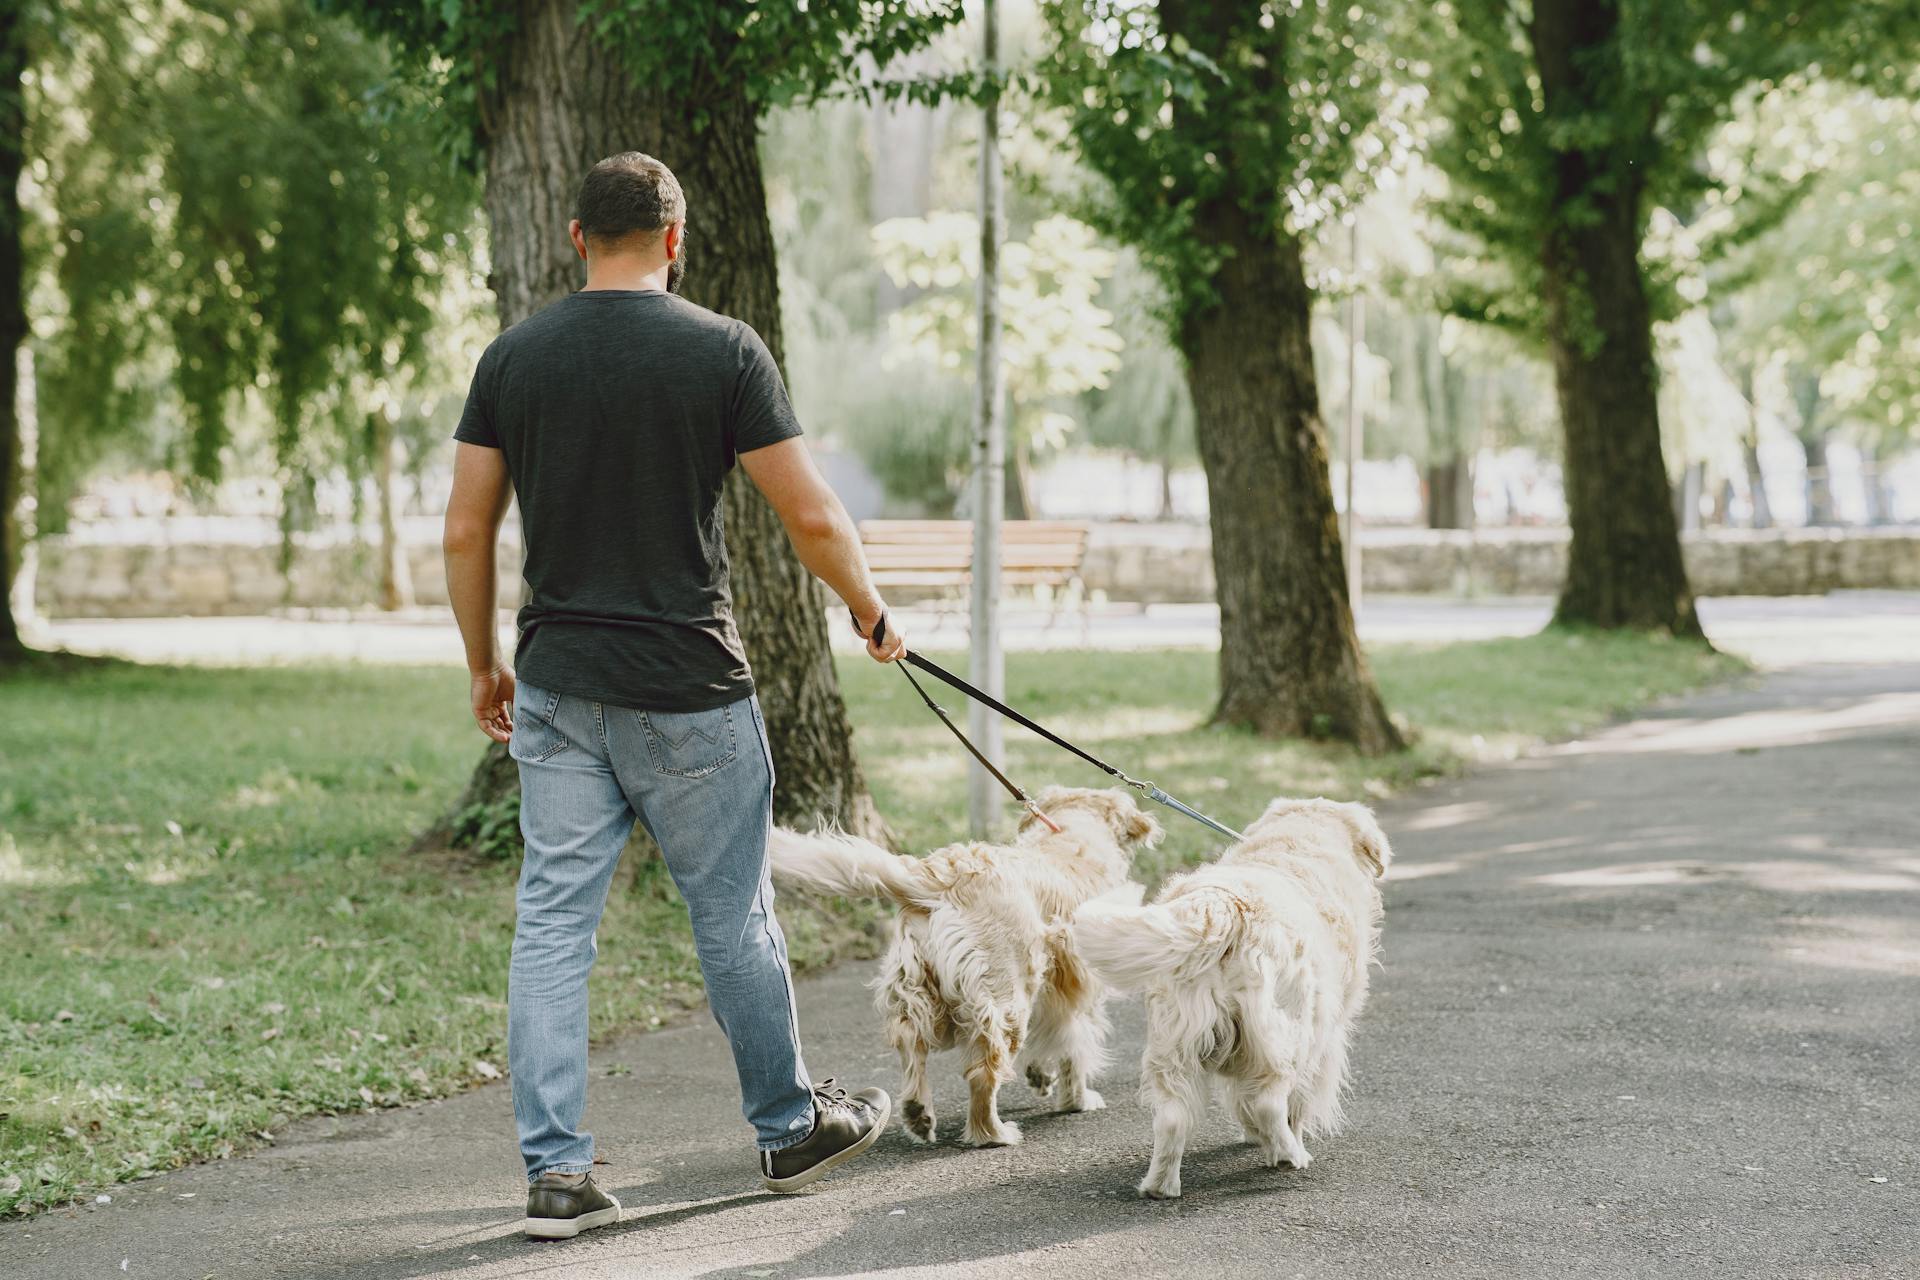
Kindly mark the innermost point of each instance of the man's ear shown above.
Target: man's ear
(579, 238)
(674, 234)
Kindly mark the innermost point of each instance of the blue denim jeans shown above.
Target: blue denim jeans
(702, 782)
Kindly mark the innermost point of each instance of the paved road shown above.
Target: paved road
(1853, 626)
(1650, 1007)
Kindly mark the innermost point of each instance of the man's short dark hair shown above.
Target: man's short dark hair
(626, 195)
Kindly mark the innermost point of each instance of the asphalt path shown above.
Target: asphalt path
(1650, 1006)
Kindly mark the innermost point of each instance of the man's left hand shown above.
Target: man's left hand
(493, 702)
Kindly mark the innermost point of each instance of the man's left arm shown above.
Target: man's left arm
(481, 491)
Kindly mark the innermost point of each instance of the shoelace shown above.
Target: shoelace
(830, 1095)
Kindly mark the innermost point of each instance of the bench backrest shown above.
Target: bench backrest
(1035, 550)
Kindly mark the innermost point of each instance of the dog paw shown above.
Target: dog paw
(1160, 1188)
(918, 1120)
(1040, 1081)
(1007, 1135)
(1089, 1100)
(1274, 1157)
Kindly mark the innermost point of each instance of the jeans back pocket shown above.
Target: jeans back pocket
(536, 738)
(689, 744)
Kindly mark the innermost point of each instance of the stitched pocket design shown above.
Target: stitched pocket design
(689, 744)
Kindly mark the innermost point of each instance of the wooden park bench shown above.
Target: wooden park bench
(935, 557)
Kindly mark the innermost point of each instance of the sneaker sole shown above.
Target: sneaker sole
(833, 1161)
(568, 1228)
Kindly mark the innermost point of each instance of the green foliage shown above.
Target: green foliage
(1275, 106)
(1834, 283)
(1056, 342)
(778, 53)
(243, 212)
(1651, 92)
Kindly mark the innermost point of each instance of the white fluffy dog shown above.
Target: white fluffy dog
(1254, 969)
(979, 957)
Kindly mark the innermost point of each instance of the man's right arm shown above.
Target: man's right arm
(822, 534)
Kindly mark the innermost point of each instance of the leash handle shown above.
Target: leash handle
(879, 635)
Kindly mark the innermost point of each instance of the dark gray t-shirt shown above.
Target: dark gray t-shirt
(620, 413)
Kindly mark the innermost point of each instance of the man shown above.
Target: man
(615, 415)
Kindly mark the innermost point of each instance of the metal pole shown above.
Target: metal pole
(986, 665)
(1356, 319)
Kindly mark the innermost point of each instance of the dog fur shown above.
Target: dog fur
(1254, 969)
(979, 958)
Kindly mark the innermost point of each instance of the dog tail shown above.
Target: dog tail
(836, 863)
(1130, 946)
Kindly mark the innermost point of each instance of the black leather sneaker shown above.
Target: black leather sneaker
(562, 1205)
(843, 1127)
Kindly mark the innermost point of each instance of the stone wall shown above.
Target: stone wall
(90, 576)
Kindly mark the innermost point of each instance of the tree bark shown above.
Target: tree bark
(564, 102)
(1290, 662)
(1450, 494)
(396, 575)
(13, 316)
(1812, 434)
(1762, 517)
(1624, 565)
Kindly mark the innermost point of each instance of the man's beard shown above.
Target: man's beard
(677, 270)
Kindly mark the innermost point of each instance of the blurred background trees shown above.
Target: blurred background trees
(1637, 268)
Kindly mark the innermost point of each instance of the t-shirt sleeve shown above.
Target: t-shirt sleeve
(762, 414)
(476, 420)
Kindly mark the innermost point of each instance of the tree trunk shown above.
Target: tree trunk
(1450, 494)
(1820, 505)
(1750, 450)
(1624, 565)
(1290, 663)
(563, 103)
(1808, 399)
(13, 316)
(396, 575)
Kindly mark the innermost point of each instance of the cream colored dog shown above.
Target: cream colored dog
(979, 958)
(1254, 969)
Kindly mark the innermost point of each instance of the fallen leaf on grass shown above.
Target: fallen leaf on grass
(65, 1015)
(10, 1185)
(366, 1095)
(270, 1033)
(273, 1007)
(486, 1070)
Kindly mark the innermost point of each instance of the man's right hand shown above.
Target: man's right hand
(885, 641)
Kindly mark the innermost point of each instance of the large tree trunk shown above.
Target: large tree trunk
(1624, 566)
(13, 316)
(562, 103)
(1290, 663)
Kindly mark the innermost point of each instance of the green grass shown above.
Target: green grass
(211, 923)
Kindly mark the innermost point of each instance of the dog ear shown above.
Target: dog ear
(1142, 828)
(1369, 841)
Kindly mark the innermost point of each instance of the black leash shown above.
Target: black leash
(986, 699)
